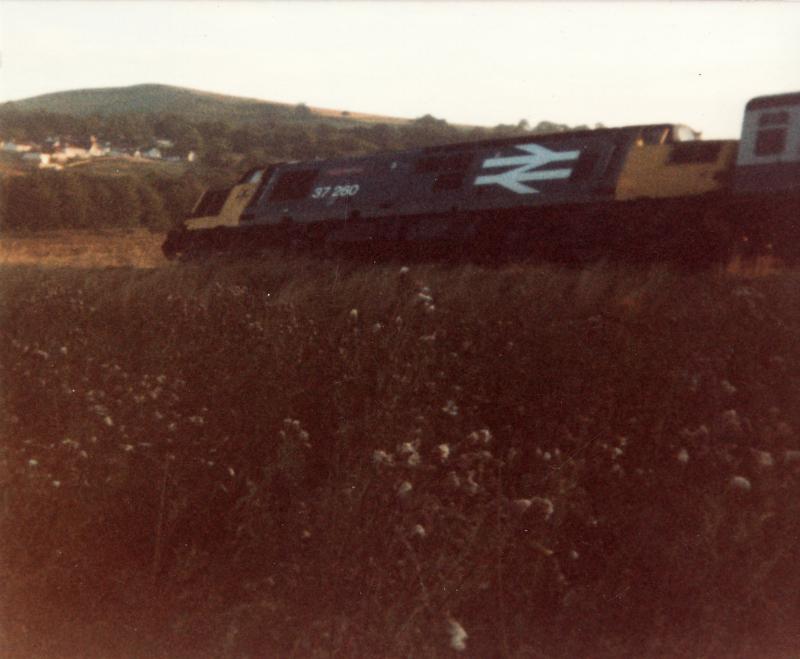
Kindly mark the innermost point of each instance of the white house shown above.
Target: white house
(13, 147)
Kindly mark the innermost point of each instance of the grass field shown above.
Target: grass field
(305, 458)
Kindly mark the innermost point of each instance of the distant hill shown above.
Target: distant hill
(190, 103)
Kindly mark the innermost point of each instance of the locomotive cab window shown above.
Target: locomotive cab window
(293, 185)
(655, 135)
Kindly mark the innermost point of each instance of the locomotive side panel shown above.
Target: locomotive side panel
(330, 191)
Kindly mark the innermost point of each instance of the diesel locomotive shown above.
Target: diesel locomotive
(636, 192)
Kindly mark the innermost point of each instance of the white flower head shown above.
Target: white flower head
(483, 436)
(381, 457)
(764, 458)
(354, 314)
(414, 459)
(419, 531)
(522, 505)
(444, 451)
(740, 483)
(33, 462)
(450, 408)
(404, 489)
(543, 506)
(472, 485)
(683, 456)
(458, 635)
(453, 481)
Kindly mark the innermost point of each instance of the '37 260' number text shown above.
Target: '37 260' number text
(332, 192)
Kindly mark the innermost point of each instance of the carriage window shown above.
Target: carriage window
(293, 185)
(770, 142)
(774, 119)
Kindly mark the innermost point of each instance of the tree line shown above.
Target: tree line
(66, 200)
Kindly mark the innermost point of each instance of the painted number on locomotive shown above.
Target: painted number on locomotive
(334, 192)
(523, 166)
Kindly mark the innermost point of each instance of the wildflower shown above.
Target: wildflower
(763, 458)
(522, 505)
(100, 410)
(450, 408)
(404, 489)
(574, 555)
(740, 483)
(428, 338)
(453, 481)
(380, 457)
(108, 421)
(63, 350)
(791, 456)
(126, 447)
(306, 534)
(409, 447)
(472, 486)
(354, 314)
(424, 297)
(56, 483)
(70, 442)
(413, 459)
(483, 436)
(196, 420)
(728, 388)
(377, 327)
(731, 423)
(172, 427)
(231, 472)
(683, 456)
(546, 456)
(419, 531)
(161, 379)
(404, 270)
(33, 462)
(458, 636)
(543, 506)
(444, 451)
(42, 354)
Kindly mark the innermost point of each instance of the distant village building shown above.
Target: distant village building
(36, 157)
(165, 144)
(153, 153)
(13, 147)
(191, 156)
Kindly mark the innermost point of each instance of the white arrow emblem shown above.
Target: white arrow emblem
(514, 179)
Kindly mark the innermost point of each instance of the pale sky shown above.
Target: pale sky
(478, 63)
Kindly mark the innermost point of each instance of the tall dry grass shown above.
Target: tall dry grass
(310, 458)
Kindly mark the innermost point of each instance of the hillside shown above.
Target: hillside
(190, 103)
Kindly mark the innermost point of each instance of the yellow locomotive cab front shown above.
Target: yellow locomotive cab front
(680, 169)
